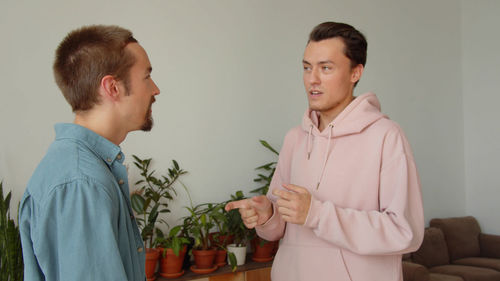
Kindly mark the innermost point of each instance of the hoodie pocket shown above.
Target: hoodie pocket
(305, 263)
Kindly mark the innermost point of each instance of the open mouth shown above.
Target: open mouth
(315, 93)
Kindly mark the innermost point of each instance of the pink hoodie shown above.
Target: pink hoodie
(366, 208)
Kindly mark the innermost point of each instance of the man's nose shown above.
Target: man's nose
(314, 77)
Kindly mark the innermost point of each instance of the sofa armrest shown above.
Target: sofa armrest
(414, 272)
(490, 245)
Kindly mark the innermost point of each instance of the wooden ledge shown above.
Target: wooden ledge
(225, 270)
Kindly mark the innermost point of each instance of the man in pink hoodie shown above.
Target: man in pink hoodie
(345, 198)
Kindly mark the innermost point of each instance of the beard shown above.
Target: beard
(148, 120)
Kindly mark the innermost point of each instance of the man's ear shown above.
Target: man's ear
(110, 89)
(356, 73)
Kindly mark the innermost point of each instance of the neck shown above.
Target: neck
(102, 125)
(326, 117)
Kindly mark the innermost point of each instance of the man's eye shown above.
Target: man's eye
(307, 68)
(326, 67)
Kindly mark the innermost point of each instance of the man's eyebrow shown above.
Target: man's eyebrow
(325, 62)
(321, 62)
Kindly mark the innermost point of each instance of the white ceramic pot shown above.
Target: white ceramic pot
(239, 251)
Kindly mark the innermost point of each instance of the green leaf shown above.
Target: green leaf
(173, 232)
(265, 144)
(137, 203)
(232, 261)
(176, 245)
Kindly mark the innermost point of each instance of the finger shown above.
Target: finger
(237, 204)
(246, 213)
(287, 218)
(250, 225)
(286, 212)
(285, 203)
(295, 188)
(251, 219)
(283, 194)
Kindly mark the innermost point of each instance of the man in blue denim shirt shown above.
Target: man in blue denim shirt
(75, 217)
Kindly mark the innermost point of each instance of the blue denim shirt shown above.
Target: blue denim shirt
(75, 218)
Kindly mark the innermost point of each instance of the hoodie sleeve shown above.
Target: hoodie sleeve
(274, 228)
(397, 227)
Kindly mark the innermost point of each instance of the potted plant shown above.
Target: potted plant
(237, 250)
(201, 221)
(11, 257)
(221, 238)
(150, 200)
(173, 248)
(264, 250)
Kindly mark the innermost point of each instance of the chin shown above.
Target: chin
(148, 125)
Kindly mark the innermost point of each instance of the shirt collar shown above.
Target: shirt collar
(106, 150)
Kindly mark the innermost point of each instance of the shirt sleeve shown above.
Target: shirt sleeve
(396, 228)
(76, 233)
(31, 269)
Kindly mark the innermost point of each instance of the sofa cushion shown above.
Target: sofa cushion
(461, 234)
(490, 245)
(414, 272)
(481, 262)
(444, 277)
(468, 273)
(433, 251)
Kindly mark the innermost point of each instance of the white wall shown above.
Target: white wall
(230, 74)
(481, 84)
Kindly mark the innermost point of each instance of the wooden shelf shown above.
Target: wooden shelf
(251, 270)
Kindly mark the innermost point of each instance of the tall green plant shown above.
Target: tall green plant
(201, 220)
(267, 173)
(11, 256)
(153, 196)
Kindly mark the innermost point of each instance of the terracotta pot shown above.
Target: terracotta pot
(276, 247)
(151, 262)
(220, 258)
(204, 258)
(169, 262)
(262, 251)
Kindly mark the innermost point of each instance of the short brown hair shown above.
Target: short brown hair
(85, 56)
(354, 41)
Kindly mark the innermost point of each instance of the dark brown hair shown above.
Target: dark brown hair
(85, 56)
(354, 41)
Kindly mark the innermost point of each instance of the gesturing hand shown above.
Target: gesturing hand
(254, 211)
(293, 203)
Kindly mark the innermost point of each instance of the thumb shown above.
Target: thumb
(236, 205)
(260, 202)
(295, 188)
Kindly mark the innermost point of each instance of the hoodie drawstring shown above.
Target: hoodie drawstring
(309, 148)
(327, 154)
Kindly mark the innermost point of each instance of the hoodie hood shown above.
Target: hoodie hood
(359, 114)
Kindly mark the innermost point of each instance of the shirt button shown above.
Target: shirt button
(120, 182)
(119, 156)
(139, 249)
